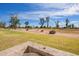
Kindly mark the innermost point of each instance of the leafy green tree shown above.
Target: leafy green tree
(2, 24)
(14, 22)
(26, 24)
(72, 25)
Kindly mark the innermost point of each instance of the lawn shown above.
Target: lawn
(9, 38)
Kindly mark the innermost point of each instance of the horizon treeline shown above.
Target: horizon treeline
(15, 23)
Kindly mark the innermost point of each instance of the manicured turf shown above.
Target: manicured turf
(10, 38)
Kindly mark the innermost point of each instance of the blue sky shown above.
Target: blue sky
(33, 11)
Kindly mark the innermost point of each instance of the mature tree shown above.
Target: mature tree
(42, 21)
(57, 24)
(72, 25)
(2, 24)
(26, 24)
(19, 24)
(14, 22)
(47, 20)
(69, 26)
(67, 22)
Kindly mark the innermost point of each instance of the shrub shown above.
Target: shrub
(27, 29)
(42, 31)
(52, 32)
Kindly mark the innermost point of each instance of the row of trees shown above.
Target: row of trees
(46, 20)
(67, 24)
(15, 22)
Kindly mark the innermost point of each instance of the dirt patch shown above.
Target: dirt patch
(46, 32)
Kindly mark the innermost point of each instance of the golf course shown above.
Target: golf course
(53, 25)
(10, 38)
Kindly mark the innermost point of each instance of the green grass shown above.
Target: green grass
(10, 38)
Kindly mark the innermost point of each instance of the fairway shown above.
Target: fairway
(9, 38)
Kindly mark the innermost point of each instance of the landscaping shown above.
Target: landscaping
(9, 38)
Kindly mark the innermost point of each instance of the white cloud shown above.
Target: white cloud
(73, 10)
(74, 22)
(68, 10)
(34, 14)
(55, 5)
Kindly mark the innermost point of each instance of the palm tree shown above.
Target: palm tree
(14, 21)
(47, 20)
